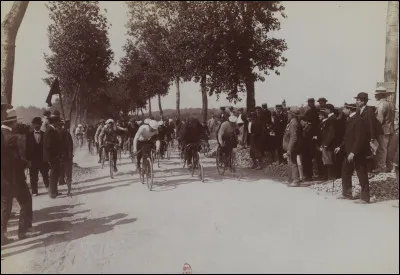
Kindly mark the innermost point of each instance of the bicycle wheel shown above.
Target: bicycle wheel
(220, 162)
(142, 172)
(195, 163)
(111, 160)
(103, 157)
(149, 173)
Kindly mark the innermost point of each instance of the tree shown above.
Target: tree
(9, 31)
(81, 54)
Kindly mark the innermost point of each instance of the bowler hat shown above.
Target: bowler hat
(311, 100)
(279, 106)
(363, 96)
(258, 108)
(350, 106)
(37, 120)
(265, 105)
(57, 113)
(47, 113)
(322, 99)
(294, 110)
(329, 107)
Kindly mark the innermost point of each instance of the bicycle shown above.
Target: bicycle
(155, 156)
(146, 173)
(79, 138)
(110, 157)
(224, 161)
(196, 163)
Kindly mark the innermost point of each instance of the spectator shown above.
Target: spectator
(355, 146)
(14, 173)
(34, 155)
(256, 140)
(52, 153)
(67, 155)
(328, 127)
(280, 121)
(385, 116)
(292, 145)
(322, 102)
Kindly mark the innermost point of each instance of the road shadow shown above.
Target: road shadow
(90, 189)
(62, 231)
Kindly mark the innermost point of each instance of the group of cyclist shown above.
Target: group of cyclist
(140, 137)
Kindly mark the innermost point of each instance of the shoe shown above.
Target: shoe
(294, 184)
(35, 194)
(345, 198)
(115, 170)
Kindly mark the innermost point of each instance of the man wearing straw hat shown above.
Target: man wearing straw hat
(14, 175)
(385, 115)
(292, 140)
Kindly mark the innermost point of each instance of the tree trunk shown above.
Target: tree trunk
(392, 46)
(61, 105)
(9, 30)
(250, 100)
(178, 98)
(160, 107)
(72, 103)
(150, 107)
(204, 98)
(141, 110)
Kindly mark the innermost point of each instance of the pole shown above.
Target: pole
(392, 46)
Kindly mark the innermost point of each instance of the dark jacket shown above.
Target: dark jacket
(292, 139)
(67, 145)
(356, 139)
(328, 133)
(192, 131)
(34, 150)
(372, 124)
(312, 116)
(13, 166)
(51, 145)
(280, 123)
(340, 129)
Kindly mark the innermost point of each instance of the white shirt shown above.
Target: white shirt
(250, 127)
(37, 136)
(330, 114)
(143, 134)
(6, 127)
(353, 114)
(362, 109)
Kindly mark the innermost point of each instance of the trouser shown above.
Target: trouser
(311, 153)
(99, 150)
(34, 175)
(20, 191)
(66, 172)
(382, 152)
(294, 175)
(54, 178)
(338, 161)
(359, 164)
(144, 150)
(307, 163)
(255, 149)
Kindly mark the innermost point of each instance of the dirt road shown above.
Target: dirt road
(222, 225)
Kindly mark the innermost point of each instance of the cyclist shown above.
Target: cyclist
(96, 137)
(90, 133)
(108, 139)
(192, 133)
(162, 136)
(144, 140)
(132, 130)
(79, 132)
(227, 135)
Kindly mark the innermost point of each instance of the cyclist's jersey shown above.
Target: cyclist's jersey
(192, 131)
(108, 135)
(144, 134)
(79, 131)
(227, 134)
(91, 131)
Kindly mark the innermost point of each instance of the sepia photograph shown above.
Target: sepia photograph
(199, 137)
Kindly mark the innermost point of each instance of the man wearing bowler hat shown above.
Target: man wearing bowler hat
(322, 102)
(385, 115)
(327, 138)
(355, 145)
(34, 155)
(368, 116)
(52, 153)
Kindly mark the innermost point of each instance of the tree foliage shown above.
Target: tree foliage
(80, 49)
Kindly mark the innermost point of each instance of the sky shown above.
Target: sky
(336, 50)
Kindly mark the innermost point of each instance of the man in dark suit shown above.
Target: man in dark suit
(280, 121)
(356, 146)
(268, 127)
(14, 173)
(67, 155)
(311, 115)
(52, 153)
(327, 138)
(34, 155)
(367, 113)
